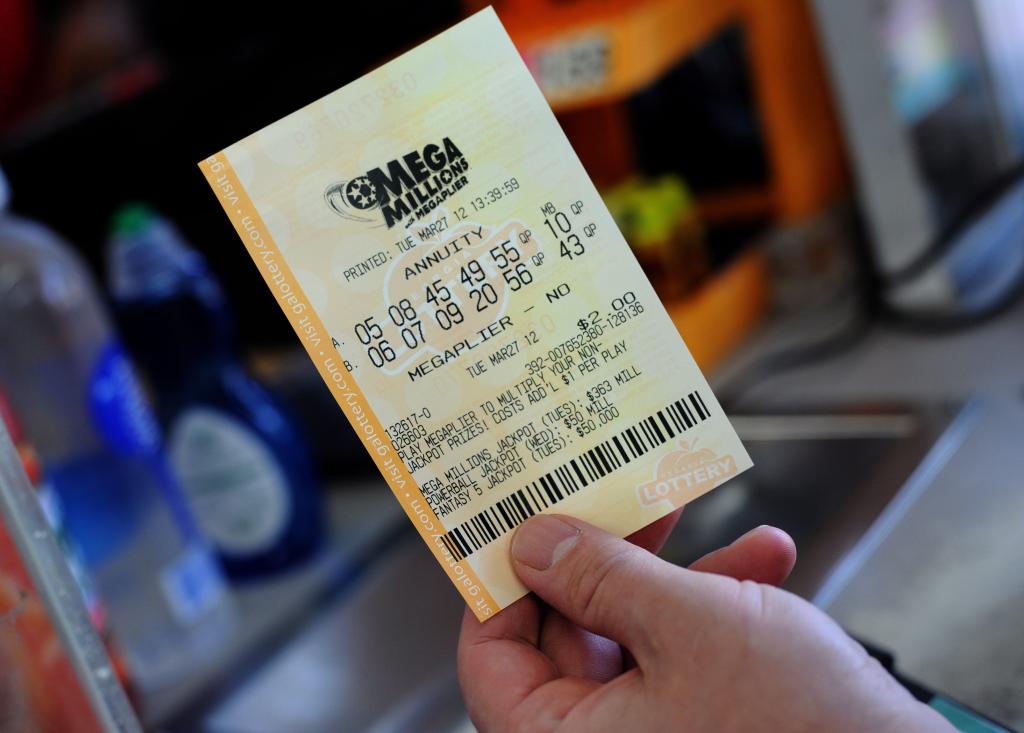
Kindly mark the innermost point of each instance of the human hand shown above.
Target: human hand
(716, 647)
(765, 554)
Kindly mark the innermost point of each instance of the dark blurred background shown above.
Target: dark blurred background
(112, 101)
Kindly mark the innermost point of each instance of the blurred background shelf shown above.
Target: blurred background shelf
(592, 54)
(717, 317)
(586, 53)
(363, 522)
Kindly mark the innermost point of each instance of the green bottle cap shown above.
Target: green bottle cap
(131, 219)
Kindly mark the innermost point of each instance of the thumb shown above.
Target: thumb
(602, 583)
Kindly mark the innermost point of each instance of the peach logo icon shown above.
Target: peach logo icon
(684, 474)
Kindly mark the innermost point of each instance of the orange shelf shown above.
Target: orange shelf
(739, 204)
(587, 53)
(590, 53)
(715, 319)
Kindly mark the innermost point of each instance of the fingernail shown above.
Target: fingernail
(543, 541)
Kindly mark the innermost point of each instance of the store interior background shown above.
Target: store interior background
(839, 277)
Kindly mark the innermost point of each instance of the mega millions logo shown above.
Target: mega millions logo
(404, 190)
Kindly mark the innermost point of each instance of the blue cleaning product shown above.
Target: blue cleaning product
(66, 375)
(244, 467)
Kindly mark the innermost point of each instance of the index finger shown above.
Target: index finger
(499, 662)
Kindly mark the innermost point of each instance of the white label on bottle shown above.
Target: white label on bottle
(234, 485)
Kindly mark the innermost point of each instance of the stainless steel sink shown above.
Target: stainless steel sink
(837, 480)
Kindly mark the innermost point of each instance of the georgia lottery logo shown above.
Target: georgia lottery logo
(404, 190)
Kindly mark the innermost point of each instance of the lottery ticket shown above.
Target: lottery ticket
(469, 301)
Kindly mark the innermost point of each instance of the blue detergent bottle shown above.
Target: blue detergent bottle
(241, 461)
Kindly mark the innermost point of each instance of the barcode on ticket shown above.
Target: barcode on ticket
(575, 475)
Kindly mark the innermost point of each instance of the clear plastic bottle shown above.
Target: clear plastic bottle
(66, 375)
(242, 463)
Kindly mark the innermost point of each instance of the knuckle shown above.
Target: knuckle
(752, 602)
(753, 608)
